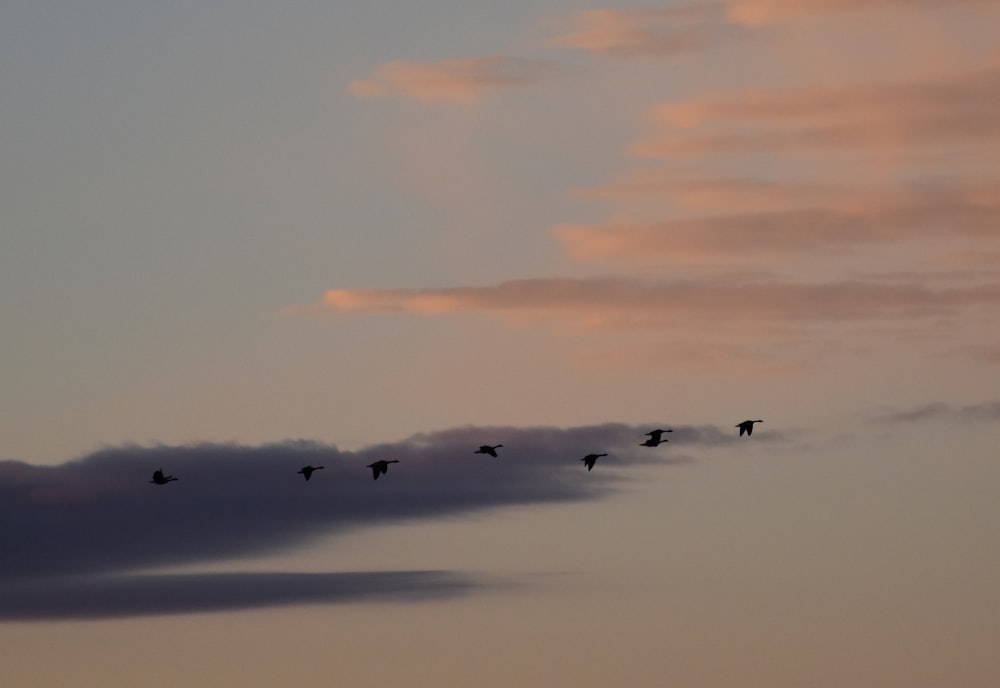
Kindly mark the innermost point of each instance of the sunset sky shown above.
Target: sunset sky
(243, 237)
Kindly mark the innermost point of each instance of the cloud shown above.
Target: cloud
(99, 514)
(667, 32)
(631, 33)
(985, 412)
(710, 192)
(849, 222)
(762, 12)
(122, 595)
(988, 353)
(454, 81)
(78, 536)
(750, 325)
(614, 301)
(955, 110)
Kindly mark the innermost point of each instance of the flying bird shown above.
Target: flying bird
(590, 459)
(487, 449)
(380, 467)
(307, 471)
(160, 479)
(747, 426)
(655, 438)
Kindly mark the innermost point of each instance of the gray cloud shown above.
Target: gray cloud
(78, 535)
(937, 410)
(100, 597)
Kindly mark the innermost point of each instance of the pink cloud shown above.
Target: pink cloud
(618, 300)
(455, 81)
(762, 12)
(960, 109)
(626, 33)
(717, 193)
(745, 325)
(845, 223)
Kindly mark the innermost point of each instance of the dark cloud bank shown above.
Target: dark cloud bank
(76, 537)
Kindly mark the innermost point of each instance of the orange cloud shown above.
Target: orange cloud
(618, 300)
(762, 12)
(743, 193)
(961, 109)
(455, 81)
(940, 214)
(748, 325)
(643, 32)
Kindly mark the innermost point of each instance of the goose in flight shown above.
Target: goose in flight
(380, 467)
(656, 438)
(487, 449)
(747, 427)
(160, 479)
(590, 459)
(307, 471)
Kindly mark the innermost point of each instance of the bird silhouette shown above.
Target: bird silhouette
(590, 459)
(380, 467)
(160, 479)
(747, 426)
(655, 438)
(307, 471)
(487, 449)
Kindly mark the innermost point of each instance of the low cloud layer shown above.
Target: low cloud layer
(101, 597)
(77, 536)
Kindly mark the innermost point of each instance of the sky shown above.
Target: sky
(239, 238)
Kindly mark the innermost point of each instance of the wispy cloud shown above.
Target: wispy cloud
(756, 324)
(698, 26)
(614, 300)
(454, 81)
(647, 32)
(762, 12)
(77, 536)
(939, 410)
(848, 222)
(123, 595)
(698, 190)
(960, 109)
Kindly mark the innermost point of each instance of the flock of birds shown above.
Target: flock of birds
(654, 439)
